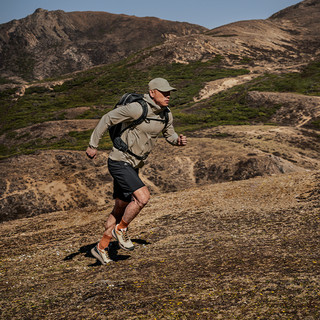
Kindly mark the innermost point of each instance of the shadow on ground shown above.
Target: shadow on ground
(113, 252)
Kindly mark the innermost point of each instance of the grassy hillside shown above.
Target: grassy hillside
(99, 89)
(251, 251)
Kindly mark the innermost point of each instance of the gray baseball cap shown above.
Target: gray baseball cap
(161, 85)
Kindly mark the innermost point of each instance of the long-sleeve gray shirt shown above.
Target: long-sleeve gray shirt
(140, 139)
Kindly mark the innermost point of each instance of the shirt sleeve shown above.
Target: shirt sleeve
(120, 114)
(169, 133)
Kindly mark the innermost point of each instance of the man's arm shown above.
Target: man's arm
(124, 113)
(171, 136)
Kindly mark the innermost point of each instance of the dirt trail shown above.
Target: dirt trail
(216, 86)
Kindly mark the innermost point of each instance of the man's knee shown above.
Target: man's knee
(144, 200)
(141, 196)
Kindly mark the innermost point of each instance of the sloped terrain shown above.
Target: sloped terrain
(80, 40)
(50, 43)
(55, 180)
(60, 180)
(297, 145)
(296, 110)
(235, 250)
(288, 38)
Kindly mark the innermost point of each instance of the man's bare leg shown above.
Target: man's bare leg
(100, 251)
(140, 199)
(115, 215)
(120, 232)
(114, 218)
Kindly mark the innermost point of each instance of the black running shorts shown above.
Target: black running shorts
(125, 179)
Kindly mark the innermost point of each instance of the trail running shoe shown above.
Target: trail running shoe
(101, 255)
(123, 238)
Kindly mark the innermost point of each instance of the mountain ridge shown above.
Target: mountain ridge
(56, 42)
(53, 43)
(278, 43)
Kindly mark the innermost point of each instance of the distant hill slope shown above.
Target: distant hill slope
(288, 38)
(62, 180)
(305, 14)
(49, 43)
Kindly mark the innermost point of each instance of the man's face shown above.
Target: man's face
(160, 98)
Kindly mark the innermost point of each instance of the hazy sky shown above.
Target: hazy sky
(207, 13)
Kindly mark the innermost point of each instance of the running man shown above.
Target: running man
(130, 193)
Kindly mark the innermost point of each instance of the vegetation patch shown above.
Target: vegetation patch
(101, 87)
(305, 82)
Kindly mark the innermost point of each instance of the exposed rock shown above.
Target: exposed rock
(48, 43)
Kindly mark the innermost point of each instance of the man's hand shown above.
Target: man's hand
(91, 152)
(182, 140)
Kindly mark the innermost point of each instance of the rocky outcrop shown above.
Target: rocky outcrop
(48, 43)
(52, 181)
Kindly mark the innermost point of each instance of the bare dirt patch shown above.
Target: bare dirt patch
(213, 87)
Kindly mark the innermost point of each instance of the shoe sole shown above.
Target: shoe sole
(98, 257)
(114, 234)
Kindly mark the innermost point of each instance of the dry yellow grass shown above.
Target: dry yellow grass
(234, 250)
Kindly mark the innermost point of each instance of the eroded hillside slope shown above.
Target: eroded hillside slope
(50, 181)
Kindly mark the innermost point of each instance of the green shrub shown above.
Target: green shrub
(39, 90)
